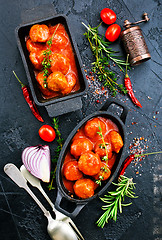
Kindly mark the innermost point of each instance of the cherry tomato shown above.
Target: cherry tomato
(47, 133)
(108, 16)
(113, 32)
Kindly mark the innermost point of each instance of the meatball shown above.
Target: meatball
(40, 79)
(84, 188)
(80, 146)
(59, 39)
(57, 82)
(59, 63)
(36, 58)
(100, 149)
(104, 172)
(71, 171)
(34, 47)
(71, 79)
(92, 127)
(116, 141)
(89, 163)
(79, 134)
(39, 33)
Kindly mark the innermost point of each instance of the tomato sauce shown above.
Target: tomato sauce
(88, 130)
(61, 59)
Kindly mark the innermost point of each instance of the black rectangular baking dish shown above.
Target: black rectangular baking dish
(58, 105)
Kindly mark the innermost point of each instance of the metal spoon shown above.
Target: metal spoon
(57, 230)
(35, 182)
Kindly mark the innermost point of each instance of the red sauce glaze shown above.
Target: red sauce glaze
(61, 57)
(86, 150)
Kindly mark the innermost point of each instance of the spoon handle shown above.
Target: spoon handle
(46, 197)
(13, 172)
(46, 213)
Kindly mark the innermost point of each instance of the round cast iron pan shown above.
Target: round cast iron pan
(62, 191)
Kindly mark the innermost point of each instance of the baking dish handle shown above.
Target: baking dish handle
(63, 107)
(116, 102)
(75, 212)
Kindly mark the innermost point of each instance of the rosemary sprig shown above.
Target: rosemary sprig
(60, 142)
(103, 54)
(114, 200)
(46, 63)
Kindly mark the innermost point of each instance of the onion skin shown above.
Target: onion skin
(37, 161)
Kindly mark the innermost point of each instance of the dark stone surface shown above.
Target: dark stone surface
(20, 217)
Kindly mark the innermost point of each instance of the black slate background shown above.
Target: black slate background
(20, 218)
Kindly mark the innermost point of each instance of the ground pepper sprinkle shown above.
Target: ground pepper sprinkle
(95, 87)
(138, 146)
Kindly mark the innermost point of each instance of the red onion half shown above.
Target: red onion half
(37, 161)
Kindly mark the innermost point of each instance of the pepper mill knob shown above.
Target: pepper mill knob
(145, 15)
(128, 24)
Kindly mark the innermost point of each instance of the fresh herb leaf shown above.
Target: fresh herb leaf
(103, 54)
(46, 63)
(114, 200)
(60, 142)
(105, 158)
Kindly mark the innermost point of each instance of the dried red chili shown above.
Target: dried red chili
(129, 88)
(126, 163)
(29, 99)
(130, 158)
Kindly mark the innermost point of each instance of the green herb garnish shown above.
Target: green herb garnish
(60, 142)
(105, 158)
(115, 198)
(46, 63)
(103, 54)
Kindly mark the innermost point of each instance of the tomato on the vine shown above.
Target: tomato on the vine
(108, 16)
(113, 32)
(47, 133)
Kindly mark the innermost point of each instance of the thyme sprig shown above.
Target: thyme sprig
(46, 63)
(114, 200)
(103, 54)
(60, 142)
(105, 158)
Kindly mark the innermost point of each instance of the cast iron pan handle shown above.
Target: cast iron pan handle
(59, 208)
(117, 102)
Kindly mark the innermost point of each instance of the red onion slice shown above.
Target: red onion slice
(37, 161)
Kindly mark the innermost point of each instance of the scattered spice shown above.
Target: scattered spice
(95, 87)
(28, 97)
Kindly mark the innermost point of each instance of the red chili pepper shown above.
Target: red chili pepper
(126, 163)
(29, 99)
(129, 88)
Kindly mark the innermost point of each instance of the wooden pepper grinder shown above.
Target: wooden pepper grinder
(134, 42)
